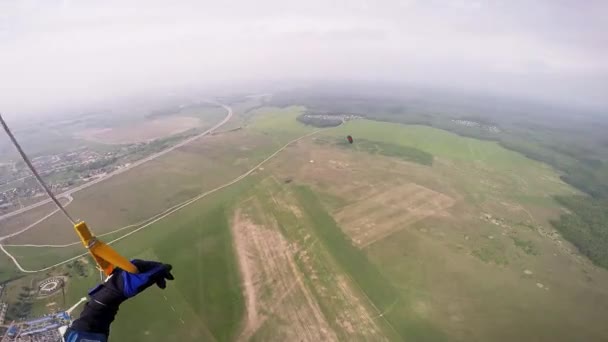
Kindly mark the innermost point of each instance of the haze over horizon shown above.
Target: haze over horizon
(56, 54)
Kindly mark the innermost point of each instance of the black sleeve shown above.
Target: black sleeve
(95, 318)
(99, 312)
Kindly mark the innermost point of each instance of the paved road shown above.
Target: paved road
(119, 171)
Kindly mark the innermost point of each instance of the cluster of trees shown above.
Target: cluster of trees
(19, 309)
(581, 165)
(586, 227)
(77, 267)
(587, 181)
(319, 120)
(23, 306)
(160, 144)
(96, 165)
(526, 245)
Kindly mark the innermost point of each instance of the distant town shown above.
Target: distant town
(62, 171)
(43, 329)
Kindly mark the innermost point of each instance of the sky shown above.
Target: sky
(57, 54)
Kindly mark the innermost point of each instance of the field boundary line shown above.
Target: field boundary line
(164, 214)
(23, 230)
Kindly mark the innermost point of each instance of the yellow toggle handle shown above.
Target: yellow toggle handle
(105, 256)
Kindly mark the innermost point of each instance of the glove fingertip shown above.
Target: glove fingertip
(161, 283)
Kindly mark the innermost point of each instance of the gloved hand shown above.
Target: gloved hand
(100, 311)
(150, 272)
(122, 285)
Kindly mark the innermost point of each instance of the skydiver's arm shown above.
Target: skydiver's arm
(99, 312)
(94, 321)
(72, 335)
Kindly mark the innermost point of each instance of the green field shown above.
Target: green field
(365, 274)
(206, 294)
(386, 149)
(179, 176)
(411, 233)
(278, 123)
(436, 142)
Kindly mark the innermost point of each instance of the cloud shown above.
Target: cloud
(54, 54)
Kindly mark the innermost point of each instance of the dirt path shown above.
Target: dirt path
(275, 293)
(345, 307)
(245, 267)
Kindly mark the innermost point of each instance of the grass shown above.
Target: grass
(219, 293)
(431, 140)
(429, 285)
(390, 150)
(206, 293)
(317, 266)
(483, 160)
(491, 254)
(436, 270)
(7, 269)
(155, 186)
(364, 273)
(332, 202)
(17, 222)
(37, 258)
(279, 123)
(527, 246)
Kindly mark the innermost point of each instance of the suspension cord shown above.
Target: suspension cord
(31, 166)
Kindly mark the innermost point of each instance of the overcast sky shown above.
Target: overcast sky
(58, 53)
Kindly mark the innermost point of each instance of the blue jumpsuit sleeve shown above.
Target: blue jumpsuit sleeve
(72, 335)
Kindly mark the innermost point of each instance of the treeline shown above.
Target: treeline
(587, 181)
(98, 164)
(143, 150)
(319, 121)
(581, 167)
(586, 227)
(78, 267)
(22, 307)
(406, 153)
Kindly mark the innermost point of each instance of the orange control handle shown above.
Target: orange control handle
(105, 256)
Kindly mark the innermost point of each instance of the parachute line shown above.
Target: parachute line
(31, 167)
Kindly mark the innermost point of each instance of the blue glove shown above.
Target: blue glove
(122, 285)
(150, 272)
(97, 315)
(72, 335)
